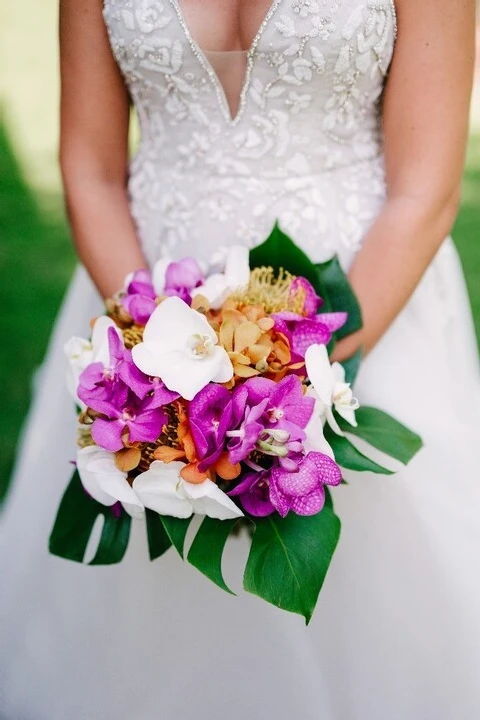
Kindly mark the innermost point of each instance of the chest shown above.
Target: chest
(224, 25)
(321, 60)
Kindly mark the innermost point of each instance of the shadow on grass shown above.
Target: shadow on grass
(36, 261)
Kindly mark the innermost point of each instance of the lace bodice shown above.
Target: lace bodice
(305, 146)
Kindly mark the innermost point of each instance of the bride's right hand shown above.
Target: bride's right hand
(95, 112)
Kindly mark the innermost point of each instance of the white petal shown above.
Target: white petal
(104, 481)
(90, 480)
(158, 489)
(237, 266)
(315, 438)
(224, 371)
(216, 289)
(151, 360)
(113, 481)
(208, 499)
(347, 414)
(173, 322)
(101, 350)
(158, 274)
(79, 353)
(320, 372)
(338, 372)
(333, 423)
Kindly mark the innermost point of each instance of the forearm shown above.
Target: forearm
(104, 232)
(391, 263)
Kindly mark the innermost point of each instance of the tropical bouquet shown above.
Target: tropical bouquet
(212, 393)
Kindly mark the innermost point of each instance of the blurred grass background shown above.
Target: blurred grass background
(36, 258)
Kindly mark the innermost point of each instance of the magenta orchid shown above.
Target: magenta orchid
(138, 418)
(254, 494)
(212, 412)
(243, 439)
(300, 489)
(305, 331)
(177, 278)
(303, 490)
(99, 381)
(140, 298)
(287, 407)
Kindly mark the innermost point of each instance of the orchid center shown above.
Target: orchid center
(342, 395)
(200, 346)
(128, 415)
(109, 374)
(276, 414)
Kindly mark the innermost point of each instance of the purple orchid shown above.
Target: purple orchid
(143, 385)
(303, 490)
(302, 332)
(312, 300)
(253, 492)
(143, 422)
(244, 439)
(287, 409)
(212, 412)
(100, 383)
(102, 388)
(300, 489)
(140, 299)
(182, 277)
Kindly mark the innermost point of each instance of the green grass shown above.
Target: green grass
(36, 260)
(466, 232)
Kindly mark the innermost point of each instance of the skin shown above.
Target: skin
(426, 110)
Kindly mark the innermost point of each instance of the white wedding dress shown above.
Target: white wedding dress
(396, 634)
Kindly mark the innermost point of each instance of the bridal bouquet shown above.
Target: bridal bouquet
(212, 394)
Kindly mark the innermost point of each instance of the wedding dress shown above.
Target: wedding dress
(396, 634)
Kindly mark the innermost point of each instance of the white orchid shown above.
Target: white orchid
(219, 286)
(159, 274)
(333, 392)
(81, 353)
(316, 440)
(180, 347)
(102, 479)
(162, 489)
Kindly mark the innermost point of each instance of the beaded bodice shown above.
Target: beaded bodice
(305, 146)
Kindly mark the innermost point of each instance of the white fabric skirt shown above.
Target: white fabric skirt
(396, 634)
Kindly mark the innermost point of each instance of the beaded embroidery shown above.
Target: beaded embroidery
(305, 145)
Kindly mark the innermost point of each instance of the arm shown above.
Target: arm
(426, 114)
(94, 147)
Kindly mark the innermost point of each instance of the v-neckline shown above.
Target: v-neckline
(208, 68)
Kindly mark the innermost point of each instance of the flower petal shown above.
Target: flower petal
(320, 372)
(208, 499)
(108, 434)
(100, 341)
(173, 322)
(237, 266)
(314, 432)
(103, 480)
(158, 489)
(159, 273)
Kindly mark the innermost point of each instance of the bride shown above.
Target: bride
(346, 120)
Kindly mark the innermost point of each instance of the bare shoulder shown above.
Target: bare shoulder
(431, 23)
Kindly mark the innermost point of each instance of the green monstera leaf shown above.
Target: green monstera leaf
(74, 523)
(279, 251)
(289, 559)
